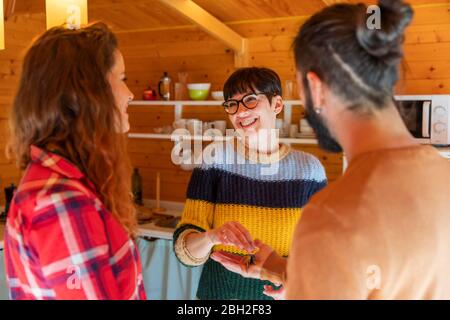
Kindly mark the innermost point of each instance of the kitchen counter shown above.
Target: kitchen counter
(152, 230)
(445, 152)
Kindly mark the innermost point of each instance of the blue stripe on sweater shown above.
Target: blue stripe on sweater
(219, 186)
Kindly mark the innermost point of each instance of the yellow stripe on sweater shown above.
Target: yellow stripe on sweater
(274, 226)
(199, 213)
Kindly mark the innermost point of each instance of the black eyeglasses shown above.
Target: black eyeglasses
(250, 101)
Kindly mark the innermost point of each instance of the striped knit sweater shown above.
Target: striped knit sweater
(267, 205)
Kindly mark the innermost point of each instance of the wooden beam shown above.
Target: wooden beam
(2, 27)
(331, 2)
(242, 59)
(214, 27)
(8, 8)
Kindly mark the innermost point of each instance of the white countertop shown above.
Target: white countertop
(150, 230)
(445, 152)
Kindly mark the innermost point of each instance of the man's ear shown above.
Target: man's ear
(278, 103)
(316, 86)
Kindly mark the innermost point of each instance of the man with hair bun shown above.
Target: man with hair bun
(382, 230)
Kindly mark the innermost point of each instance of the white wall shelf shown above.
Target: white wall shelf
(288, 104)
(174, 103)
(178, 104)
(306, 139)
(192, 102)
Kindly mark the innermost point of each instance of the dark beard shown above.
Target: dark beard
(326, 140)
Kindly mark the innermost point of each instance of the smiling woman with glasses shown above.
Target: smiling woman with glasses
(233, 203)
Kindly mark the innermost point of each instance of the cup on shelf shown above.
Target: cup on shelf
(217, 95)
(180, 124)
(305, 128)
(182, 79)
(279, 125)
(293, 131)
(179, 91)
(289, 90)
(207, 126)
(220, 125)
(195, 127)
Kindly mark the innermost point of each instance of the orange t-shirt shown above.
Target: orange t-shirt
(382, 231)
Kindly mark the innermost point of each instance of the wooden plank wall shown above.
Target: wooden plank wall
(149, 52)
(19, 32)
(427, 70)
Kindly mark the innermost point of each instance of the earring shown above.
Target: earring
(318, 110)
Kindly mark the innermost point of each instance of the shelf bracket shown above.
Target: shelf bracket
(213, 26)
(178, 111)
(287, 116)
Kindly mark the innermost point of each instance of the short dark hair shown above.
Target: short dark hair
(253, 79)
(356, 62)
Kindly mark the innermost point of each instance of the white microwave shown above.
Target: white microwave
(427, 117)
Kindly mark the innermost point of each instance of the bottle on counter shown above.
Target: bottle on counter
(136, 186)
(9, 194)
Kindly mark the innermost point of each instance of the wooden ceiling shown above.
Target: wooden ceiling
(125, 15)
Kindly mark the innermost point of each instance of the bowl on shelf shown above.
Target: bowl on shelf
(217, 95)
(198, 91)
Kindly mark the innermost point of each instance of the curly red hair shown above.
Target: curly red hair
(65, 100)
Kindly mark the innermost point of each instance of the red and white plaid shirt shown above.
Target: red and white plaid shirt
(62, 243)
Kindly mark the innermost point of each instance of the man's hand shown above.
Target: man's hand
(276, 294)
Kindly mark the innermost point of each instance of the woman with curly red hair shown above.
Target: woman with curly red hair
(70, 228)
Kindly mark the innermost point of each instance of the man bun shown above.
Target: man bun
(385, 44)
